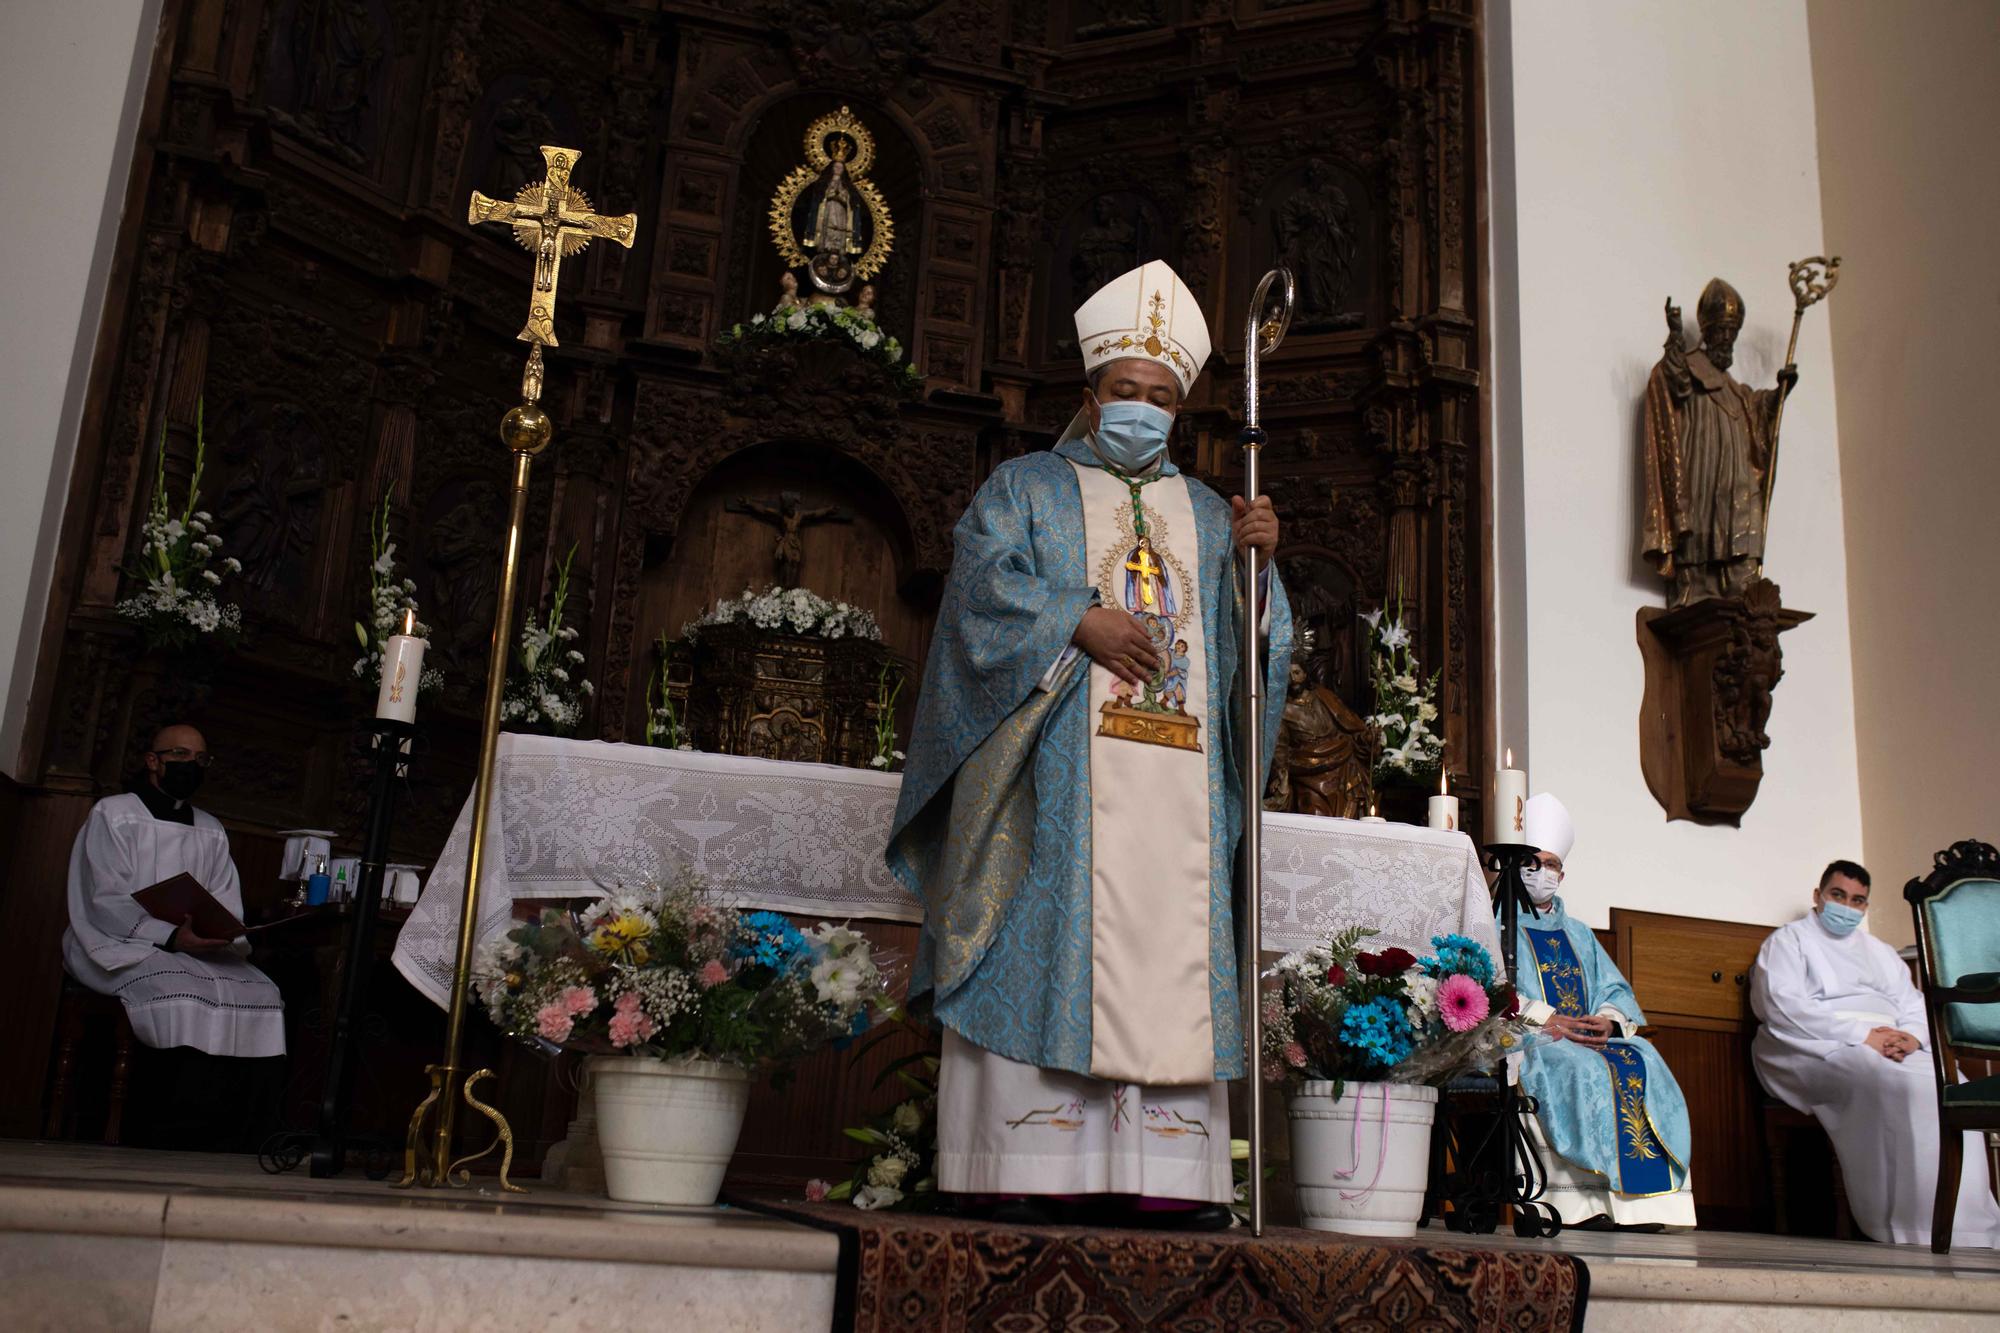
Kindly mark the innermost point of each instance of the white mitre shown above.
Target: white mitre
(1147, 313)
(1545, 824)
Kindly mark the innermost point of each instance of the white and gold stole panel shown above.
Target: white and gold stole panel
(1149, 1009)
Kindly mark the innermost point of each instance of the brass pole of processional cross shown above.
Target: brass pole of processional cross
(552, 221)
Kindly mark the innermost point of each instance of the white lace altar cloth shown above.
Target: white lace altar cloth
(572, 817)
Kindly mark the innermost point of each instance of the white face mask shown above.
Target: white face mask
(1541, 884)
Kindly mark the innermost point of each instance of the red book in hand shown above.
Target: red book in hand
(182, 898)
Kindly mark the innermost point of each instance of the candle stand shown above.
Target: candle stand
(327, 1145)
(1503, 1170)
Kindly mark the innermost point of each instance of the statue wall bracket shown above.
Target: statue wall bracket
(1710, 670)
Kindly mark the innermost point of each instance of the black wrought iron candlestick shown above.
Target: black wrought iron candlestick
(391, 742)
(1503, 1171)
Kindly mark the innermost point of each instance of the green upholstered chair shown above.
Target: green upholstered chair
(1957, 908)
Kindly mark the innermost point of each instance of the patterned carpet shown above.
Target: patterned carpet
(902, 1273)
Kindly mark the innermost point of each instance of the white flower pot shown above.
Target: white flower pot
(667, 1127)
(1361, 1163)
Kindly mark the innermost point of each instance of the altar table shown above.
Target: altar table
(576, 818)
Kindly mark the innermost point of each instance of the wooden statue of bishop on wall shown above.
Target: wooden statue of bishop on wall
(1708, 451)
(1709, 457)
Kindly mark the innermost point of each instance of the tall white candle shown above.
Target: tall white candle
(402, 668)
(1444, 807)
(1510, 801)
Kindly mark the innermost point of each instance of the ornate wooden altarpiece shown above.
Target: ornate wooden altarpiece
(294, 255)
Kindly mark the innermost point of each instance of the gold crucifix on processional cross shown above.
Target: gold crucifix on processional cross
(552, 220)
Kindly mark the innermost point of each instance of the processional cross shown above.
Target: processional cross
(552, 220)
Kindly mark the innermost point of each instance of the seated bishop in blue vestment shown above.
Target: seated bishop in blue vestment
(1612, 1129)
(1073, 800)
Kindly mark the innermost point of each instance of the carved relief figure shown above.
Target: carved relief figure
(1106, 246)
(270, 504)
(336, 48)
(1707, 446)
(520, 126)
(1106, 18)
(1314, 231)
(465, 587)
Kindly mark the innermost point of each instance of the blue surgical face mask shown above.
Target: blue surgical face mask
(1131, 435)
(1838, 918)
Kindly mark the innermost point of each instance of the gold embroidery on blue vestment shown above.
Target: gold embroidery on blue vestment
(1556, 966)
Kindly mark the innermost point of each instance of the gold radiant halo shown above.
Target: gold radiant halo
(846, 123)
(882, 229)
(527, 232)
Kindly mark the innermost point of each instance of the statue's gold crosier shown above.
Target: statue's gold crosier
(552, 221)
(843, 233)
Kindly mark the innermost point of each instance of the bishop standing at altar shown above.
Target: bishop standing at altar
(1611, 1126)
(1072, 805)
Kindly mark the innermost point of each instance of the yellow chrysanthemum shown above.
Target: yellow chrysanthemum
(623, 938)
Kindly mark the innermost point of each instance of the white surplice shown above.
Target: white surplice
(1817, 997)
(215, 1002)
(1156, 1123)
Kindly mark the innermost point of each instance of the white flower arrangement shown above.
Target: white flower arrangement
(549, 696)
(824, 319)
(789, 610)
(388, 598)
(1405, 704)
(177, 606)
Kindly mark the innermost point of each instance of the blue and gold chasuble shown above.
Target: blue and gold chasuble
(1617, 1112)
(993, 828)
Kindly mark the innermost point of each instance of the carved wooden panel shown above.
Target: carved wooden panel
(298, 268)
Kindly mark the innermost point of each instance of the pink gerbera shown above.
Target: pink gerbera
(1461, 1002)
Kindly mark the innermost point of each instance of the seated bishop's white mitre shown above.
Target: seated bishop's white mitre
(1147, 313)
(1546, 825)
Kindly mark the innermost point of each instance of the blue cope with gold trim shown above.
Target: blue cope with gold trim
(1617, 1112)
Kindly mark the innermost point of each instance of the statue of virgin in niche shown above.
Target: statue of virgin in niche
(834, 222)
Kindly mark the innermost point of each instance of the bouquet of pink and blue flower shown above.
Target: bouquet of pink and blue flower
(667, 972)
(1341, 1014)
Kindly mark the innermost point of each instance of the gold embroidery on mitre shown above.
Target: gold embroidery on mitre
(1154, 344)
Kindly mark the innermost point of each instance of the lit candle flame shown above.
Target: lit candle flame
(409, 620)
(1444, 783)
(1371, 809)
(1510, 758)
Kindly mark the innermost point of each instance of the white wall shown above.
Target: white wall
(1910, 186)
(72, 76)
(1644, 149)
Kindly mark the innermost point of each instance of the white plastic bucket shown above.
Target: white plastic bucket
(1361, 1163)
(667, 1127)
